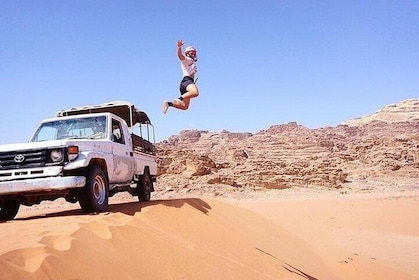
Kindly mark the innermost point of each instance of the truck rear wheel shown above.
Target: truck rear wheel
(145, 186)
(95, 195)
(8, 208)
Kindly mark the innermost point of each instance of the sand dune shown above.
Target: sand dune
(193, 238)
(357, 237)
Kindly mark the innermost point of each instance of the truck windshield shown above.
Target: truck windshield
(86, 128)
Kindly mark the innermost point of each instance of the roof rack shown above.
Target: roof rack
(122, 109)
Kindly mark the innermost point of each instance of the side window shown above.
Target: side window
(117, 132)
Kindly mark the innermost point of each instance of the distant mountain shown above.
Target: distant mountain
(383, 146)
(405, 111)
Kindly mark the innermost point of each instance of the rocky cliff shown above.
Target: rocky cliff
(383, 146)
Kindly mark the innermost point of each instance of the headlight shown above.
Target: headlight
(56, 155)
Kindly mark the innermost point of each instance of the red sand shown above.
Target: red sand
(319, 237)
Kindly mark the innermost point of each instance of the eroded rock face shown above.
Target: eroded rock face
(405, 111)
(373, 147)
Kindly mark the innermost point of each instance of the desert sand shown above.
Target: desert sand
(285, 234)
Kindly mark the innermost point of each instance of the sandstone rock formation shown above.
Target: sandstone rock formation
(383, 146)
(405, 111)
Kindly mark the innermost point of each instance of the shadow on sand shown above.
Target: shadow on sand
(289, 267)
(131, 208)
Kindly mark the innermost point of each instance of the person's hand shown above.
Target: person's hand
(180, 43)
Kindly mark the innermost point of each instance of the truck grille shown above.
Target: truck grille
(22, 159)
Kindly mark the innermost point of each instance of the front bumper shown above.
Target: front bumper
(41, 184)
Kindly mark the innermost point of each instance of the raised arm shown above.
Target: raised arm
(179, 49)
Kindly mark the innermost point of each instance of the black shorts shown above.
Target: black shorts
(186, 81)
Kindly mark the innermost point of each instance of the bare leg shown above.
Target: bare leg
(192, 92)
(182, 105)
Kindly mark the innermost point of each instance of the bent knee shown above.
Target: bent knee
(195, 93)
(193, 90)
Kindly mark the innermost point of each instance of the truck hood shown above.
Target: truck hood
(31, 145)
(92, 145)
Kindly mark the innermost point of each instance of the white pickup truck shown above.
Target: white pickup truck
(85, 154)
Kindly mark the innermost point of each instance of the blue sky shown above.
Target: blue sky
(261, 63)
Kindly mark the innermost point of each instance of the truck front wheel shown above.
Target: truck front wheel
(95, 195)
(8, 208)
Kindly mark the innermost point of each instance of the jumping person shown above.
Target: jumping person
(188, 88)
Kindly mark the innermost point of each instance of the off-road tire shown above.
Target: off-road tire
(94, 197)
(8, 209)
(145, 186)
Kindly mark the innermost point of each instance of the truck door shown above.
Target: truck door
(123, 161)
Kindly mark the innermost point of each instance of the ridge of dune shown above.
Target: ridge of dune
(162, 239)
(307, 235)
